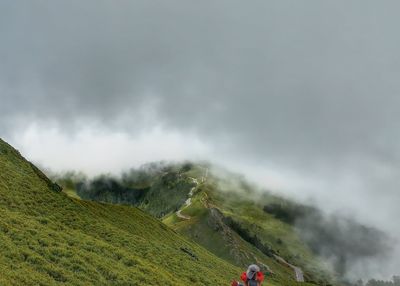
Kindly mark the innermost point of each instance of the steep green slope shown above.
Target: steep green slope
(48, 238)
(224, 215)
(230, 211)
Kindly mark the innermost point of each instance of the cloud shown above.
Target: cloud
(94, 151)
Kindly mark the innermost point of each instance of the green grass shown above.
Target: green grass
(48, 238)
(241, 203)
(72, 193)
(280, 236)
(166, 195)
(222, 197)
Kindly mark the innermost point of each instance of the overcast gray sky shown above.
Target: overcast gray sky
(301, 96)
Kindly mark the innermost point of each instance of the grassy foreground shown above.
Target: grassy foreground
(48, 238)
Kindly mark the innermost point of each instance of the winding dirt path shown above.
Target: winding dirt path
(188, 202)
(299, 275)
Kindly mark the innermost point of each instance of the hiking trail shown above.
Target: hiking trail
(188, 202)
(299, 275)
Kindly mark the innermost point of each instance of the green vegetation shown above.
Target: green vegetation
(228, 219)
(48, 238)
(234, 227)
(157, 189)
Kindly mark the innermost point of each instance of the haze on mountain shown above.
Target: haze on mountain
(300, 96)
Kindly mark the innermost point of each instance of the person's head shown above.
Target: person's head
(252, 270)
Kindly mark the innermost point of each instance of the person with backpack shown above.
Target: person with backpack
(252, 277)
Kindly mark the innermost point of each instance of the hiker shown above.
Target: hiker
(252, 277)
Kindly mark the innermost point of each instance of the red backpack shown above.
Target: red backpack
(258, 279)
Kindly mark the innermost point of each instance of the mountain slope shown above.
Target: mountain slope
(219, 212)
(48, 238)
(225, 206)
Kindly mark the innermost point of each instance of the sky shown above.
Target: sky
(300, 96)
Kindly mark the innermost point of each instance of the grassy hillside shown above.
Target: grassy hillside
(230, 211)
(48, 238)
(226, 217)
(156, 188)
